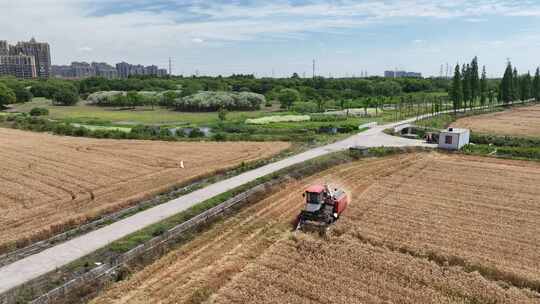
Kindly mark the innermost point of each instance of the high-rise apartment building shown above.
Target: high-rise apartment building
(162, 72)
(61, 71)
(105, 70)
(151, 70)
(4, 47)
(123, 69)
(20, 66)
(82, 70)
(39, 50)
(136, 70)
(401, 74)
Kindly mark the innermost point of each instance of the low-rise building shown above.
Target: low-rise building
(454, 138)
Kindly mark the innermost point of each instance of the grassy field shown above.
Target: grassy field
(87, 114)
(94, 118)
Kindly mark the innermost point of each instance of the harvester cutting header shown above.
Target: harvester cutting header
(323, 206)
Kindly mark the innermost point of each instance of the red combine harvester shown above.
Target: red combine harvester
(323, 206)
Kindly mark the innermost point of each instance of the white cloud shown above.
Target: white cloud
(151, 35)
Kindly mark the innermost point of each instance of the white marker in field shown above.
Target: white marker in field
(182, 164)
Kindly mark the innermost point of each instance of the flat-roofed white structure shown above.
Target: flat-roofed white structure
(454, 138)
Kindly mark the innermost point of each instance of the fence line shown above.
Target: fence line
(37, 247)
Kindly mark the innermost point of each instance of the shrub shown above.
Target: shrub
(287, 97)
(347, 128)
(65, 96)
(327, 118)
(305, 107)
(104, 98)
(504, 141)
(273, 119)
(212, 101)
(220, 137)
(521, 152)
(7, 95)
(22, 94)
(39, 112)
(328, 129)
(222, 114)
(196, 133)
(237, 128)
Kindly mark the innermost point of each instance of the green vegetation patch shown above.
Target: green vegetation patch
(103, 128)
(277, 118)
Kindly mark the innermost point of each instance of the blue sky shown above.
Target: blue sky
(281, 37)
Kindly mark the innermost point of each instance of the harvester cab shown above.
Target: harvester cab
(322, 208)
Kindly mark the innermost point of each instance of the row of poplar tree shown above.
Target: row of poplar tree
(519, 87)
(468, 88)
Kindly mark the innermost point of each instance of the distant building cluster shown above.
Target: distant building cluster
(25, 60)
(79, 70)
(32, 59)
(125, 70)
(401, 74)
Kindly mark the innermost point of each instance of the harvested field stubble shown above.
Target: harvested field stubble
(213, 258)
(343, 270)
(480, 213)
(51, 183)
(518, 121)
(409, 236)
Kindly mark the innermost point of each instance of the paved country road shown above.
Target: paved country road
(50, 259)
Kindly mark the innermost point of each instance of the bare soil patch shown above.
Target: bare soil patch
(518, 121)
(421, 228)
(51, 183)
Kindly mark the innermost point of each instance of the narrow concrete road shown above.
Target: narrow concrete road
(50, 259)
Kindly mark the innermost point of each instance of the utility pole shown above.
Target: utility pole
(170, 66)
(313, 68)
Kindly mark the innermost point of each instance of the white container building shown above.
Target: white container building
(454, 138)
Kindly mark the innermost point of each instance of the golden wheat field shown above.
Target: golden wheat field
(50, 183)
(517, 121)
(476, 246)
